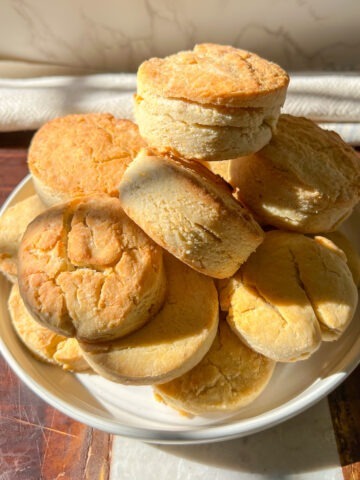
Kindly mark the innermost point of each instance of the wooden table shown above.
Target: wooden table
(38, 442)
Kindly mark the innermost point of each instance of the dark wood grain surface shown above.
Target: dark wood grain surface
(38, 442)
(344, 405)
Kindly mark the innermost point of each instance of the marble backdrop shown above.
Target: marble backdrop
(116, 35)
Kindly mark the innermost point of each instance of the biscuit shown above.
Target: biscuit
(170, 344)
(86, 270)
(13, 224)
(292, 293)
(190, 212)
(306, 179)
(44, 344)
(229, 377)
(352, 256)
(214, 102)
(69, 355)
(220, 168)
(82, 154)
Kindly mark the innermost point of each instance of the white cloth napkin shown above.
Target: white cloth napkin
(26, 104)
(303, 448)
(331, 99)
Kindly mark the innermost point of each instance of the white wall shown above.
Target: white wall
(116, 35)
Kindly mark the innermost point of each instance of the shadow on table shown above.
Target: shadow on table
(303, 444)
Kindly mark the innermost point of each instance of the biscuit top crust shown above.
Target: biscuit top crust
(214, 74)
(84, 154)
(84, 267)
(294, 280)
(316, 157)
(228, 377)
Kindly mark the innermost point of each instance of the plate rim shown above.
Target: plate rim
(200, 434)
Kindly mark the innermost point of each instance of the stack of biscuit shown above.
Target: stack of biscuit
(186, 252)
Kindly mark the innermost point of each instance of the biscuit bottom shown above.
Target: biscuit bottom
(172, 342)
(229, 377)
(204, 132)
(44, 344)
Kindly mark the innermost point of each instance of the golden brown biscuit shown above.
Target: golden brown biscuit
(229, 377)
(44, 344)
(291, 293)
(13, 224)
(190, 212)
(212, 103)
(306, 179)
(173, 342)
(86, 270)
(352, 256)
(81, 154)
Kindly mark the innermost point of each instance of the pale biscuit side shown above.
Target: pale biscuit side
(190, 212)
(44, 344)
(13, 224)
(197, 141)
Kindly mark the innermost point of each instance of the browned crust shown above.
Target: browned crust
(86, 270)
(214, 74)
(84, 153)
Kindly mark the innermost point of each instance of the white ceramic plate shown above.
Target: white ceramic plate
(133, 412)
